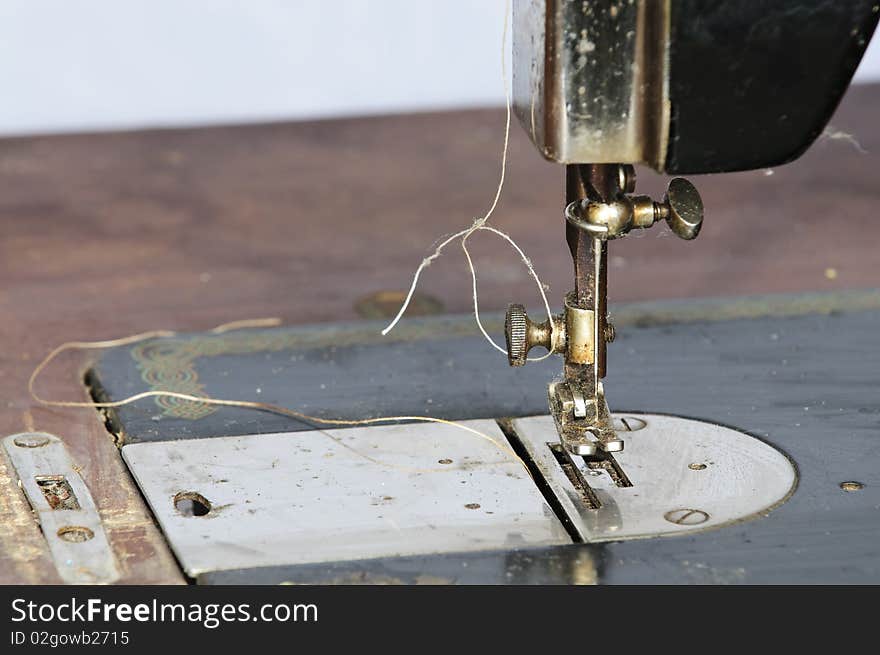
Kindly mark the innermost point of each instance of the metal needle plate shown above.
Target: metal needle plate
(324, 496)
(64, 508)
(686, 476)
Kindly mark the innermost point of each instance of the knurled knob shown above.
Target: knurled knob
(522, 334)
(516, 333)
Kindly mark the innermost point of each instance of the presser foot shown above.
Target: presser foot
(584, 424)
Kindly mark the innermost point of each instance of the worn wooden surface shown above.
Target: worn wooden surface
(106, 235)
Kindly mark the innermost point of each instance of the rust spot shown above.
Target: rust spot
(57, 492)
(385, 304)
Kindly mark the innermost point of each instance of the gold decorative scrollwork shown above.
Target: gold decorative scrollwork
(169, 364)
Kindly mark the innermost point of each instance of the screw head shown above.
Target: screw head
(609, 331)
(628, 424)
(686, 516)
(31, 440)
(626, 178)
(75, 533)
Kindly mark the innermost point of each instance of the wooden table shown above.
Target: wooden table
(111, 234)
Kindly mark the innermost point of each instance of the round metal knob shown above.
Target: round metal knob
(683, 208)
(516, 329)
(522, 334)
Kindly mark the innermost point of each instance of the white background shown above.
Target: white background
(70, 65)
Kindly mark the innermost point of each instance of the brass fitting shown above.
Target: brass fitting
(522, 334)
(682, 209)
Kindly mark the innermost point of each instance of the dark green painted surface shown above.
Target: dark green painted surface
(809, 384)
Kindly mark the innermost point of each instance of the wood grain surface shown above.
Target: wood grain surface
(106, 235)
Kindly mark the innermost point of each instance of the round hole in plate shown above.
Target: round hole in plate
(190, 503)
(75, 533)
(852, 485)
(445, 460)
(696, 466)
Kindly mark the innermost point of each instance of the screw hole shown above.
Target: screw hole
(190, 503)
(696, 466)
(473, 506)
(75, 533)
(444, 461)
(852, 485)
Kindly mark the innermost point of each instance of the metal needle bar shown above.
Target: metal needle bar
(599, 182)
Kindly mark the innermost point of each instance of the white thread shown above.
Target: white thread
(415, 281)
(833, 134)
(480, 224)
(249, 404)
(532, 272)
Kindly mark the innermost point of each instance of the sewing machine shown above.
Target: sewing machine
(723, 407)
(683, 87)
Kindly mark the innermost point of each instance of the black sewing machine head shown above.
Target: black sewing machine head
(684, 86)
